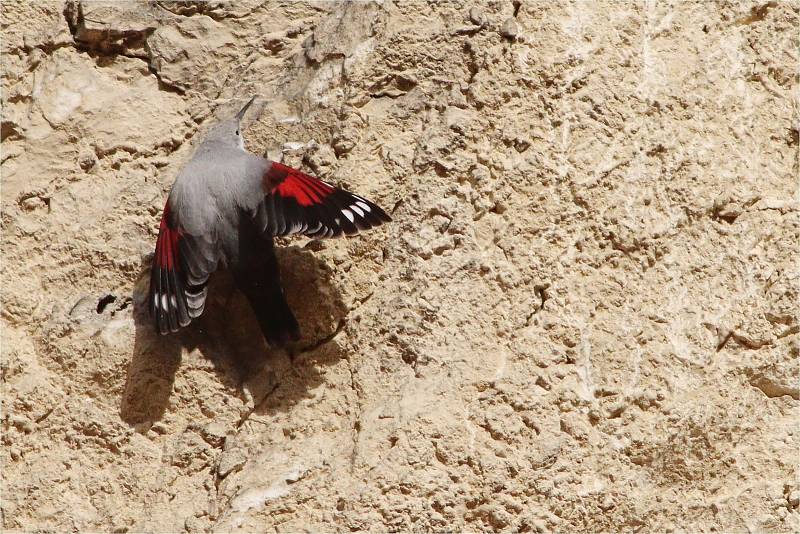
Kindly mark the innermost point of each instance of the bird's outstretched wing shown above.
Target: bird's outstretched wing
(296, 203)
(179, 274)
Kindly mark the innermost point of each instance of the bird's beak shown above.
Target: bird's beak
(244, 109)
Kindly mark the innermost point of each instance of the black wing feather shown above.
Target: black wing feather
(298, 203)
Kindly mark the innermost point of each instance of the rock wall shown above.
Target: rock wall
(583, 317)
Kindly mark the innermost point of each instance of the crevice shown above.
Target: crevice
(356, 436)
(625, 248)
(326, 339)
(104, 302)
(106, 42)
(789, 331)
(357, 423)
(256, 406)
(773, 389)
(727, 217)
(127, 301)
(757, 14)
(472, 62)
(190, 9)
(396, 206)
(467, 30)
(109, 43)
(724, 341)
(181, 12)
(539, 290)
(46, 48)
(45, 415)
(362, 301)
(101, 153)
(751, 344)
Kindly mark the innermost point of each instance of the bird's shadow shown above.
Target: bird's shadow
(228, 335)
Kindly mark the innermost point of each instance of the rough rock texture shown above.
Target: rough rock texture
(584, 316)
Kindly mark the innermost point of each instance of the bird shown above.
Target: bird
(224, 210)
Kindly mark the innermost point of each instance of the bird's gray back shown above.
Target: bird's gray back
(218, 185)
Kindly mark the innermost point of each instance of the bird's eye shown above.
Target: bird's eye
(237, 132)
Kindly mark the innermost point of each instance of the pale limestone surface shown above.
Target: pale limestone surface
(584, 316)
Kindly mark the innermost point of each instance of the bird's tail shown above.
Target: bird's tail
(260, 281)
(275, 318)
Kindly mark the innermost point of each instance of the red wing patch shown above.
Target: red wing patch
(291, 183)
(167, 297)
(167, 245)
(296, 203)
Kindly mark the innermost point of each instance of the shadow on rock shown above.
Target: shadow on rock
(228, 335)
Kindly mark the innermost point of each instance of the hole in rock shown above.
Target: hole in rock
(105, 301)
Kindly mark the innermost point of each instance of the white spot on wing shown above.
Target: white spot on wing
(164, 302)
(357, 210)
(363, 206)
(348, 215)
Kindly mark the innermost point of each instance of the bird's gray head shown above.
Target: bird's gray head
(228, 132)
